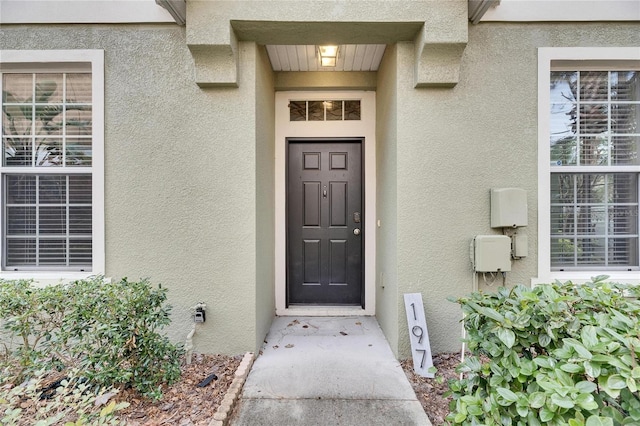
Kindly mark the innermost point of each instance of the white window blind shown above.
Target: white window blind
(47, 170)
(594, 139)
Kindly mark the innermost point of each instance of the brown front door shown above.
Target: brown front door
(325, 222)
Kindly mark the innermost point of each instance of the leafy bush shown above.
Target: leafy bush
(30, 316)
(559, 354)
(71, 403)
(110, 331)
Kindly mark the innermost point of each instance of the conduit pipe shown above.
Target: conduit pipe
(188, 345)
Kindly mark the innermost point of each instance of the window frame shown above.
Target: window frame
(36, 61)
(578, 59)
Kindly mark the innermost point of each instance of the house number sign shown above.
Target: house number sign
(418, 335)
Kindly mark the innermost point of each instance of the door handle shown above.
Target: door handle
(356, 231)
(356, 217)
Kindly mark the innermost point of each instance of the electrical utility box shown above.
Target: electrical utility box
(519, 247)
(491, 253)
(508, 208)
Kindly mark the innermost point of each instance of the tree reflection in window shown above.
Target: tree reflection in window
(46, 120)
(47, 123)
(594, 123)
(333, 110)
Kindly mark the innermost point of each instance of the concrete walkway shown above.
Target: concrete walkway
(327, 371)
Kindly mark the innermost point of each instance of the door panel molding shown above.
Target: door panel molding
(363, 129)
(338, 261)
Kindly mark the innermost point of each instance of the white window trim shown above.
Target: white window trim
(545, 56)
(365, 128)
(9, 59)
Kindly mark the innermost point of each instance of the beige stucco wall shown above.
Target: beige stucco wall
(214, 27)
(386, 197)
(189, 171)
(316, 21)
(454, 145)
(181, 190)
(265, 207)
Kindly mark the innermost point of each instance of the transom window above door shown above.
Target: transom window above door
(340, 110)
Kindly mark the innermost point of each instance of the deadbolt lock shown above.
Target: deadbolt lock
(356, 217)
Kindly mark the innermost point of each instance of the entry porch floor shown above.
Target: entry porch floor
(327, 371)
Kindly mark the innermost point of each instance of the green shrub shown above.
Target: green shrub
(71, 403)
(30, 317)
(559, 354)
(109, 331)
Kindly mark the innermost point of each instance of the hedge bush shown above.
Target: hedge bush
(110, 332)
(72, 403)
(557, 354)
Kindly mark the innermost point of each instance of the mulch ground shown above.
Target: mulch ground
(184, 403)
(430, 392)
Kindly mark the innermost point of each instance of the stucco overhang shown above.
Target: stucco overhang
(438, 29)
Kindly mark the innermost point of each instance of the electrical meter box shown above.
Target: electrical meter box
(508, 208)
(491, 253)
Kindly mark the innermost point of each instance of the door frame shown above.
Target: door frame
(364, 129)
(360, 176)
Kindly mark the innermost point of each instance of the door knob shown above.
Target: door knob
(356, 231)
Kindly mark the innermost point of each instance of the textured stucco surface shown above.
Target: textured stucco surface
(265, 208)
(386, 169)
(313, 21)
(454, 145)
(349, 80)
(190, 171)
(181, 179)
(439, 28)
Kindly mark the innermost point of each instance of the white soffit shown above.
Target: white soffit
(351, 57)
(563, 10)
(82, 12)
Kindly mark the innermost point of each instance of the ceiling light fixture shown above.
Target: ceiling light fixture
(328, 55)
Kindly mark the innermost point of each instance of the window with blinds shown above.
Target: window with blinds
(594, 137)
(47, 171)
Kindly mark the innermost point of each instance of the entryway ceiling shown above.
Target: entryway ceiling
(351, 57)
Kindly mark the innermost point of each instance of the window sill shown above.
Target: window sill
(45, 278)
(581, 277)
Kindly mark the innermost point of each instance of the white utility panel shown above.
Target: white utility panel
(520, 246)
(492, 253)
(508, 208)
